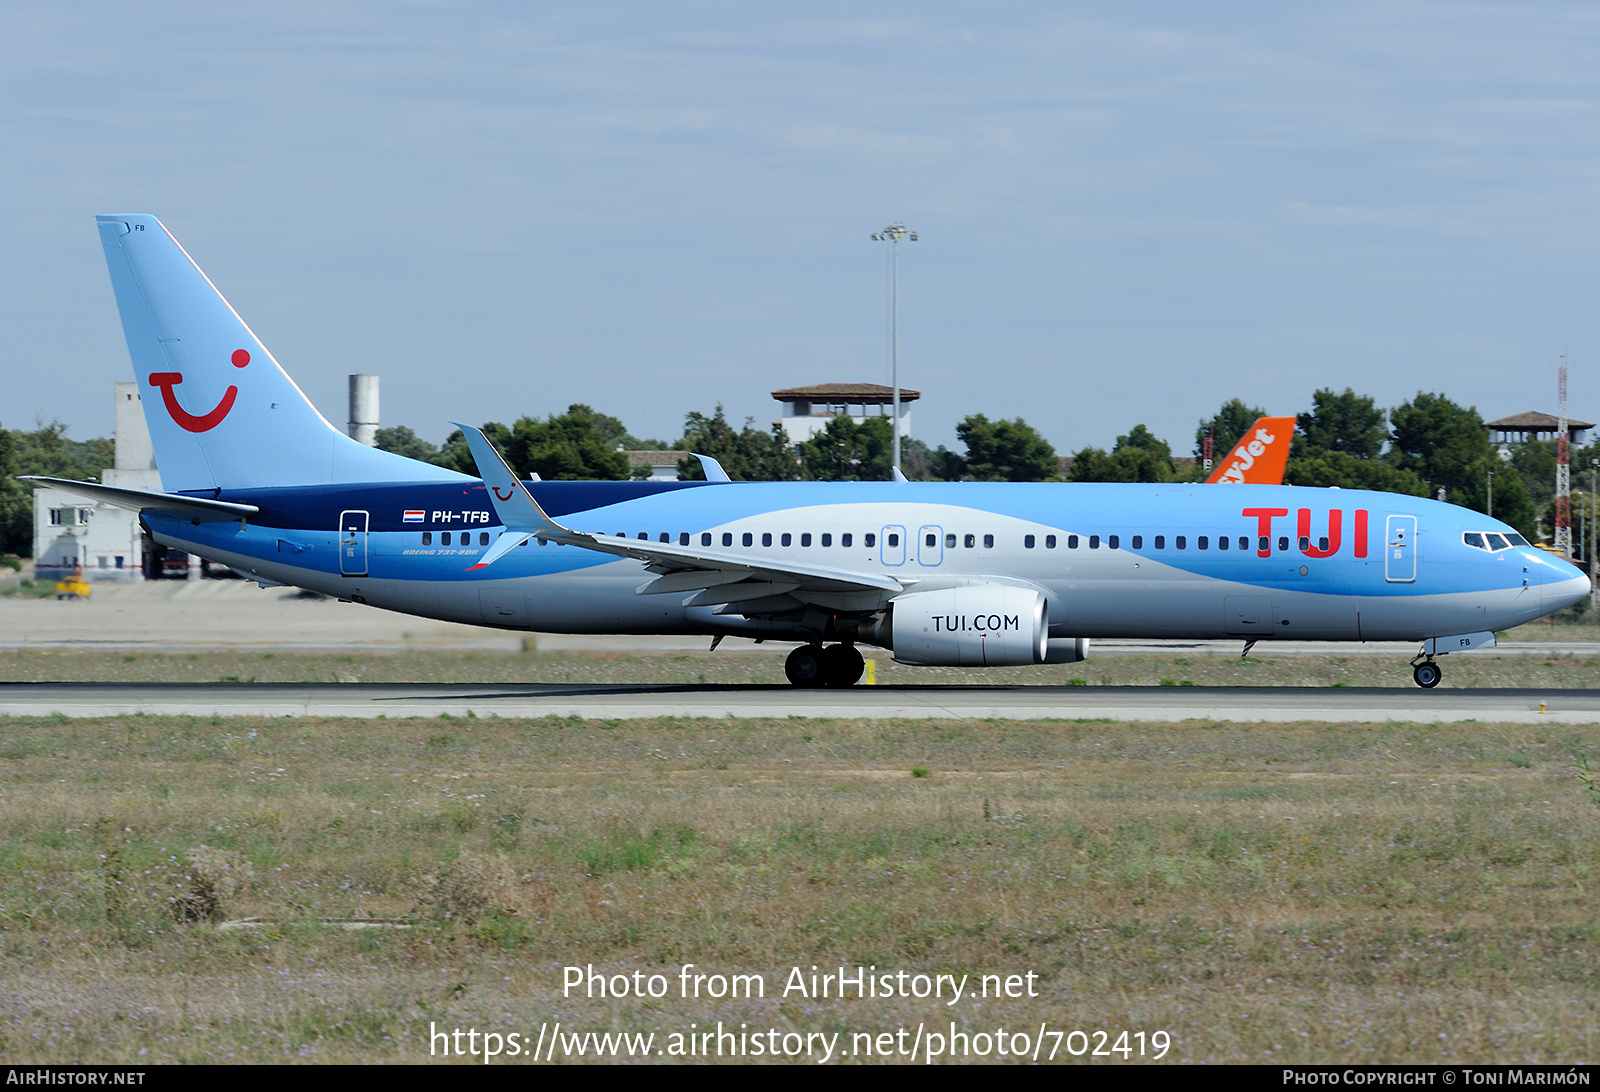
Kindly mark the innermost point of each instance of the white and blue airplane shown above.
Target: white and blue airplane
(968, 574)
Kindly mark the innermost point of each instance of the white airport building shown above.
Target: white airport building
(807, 410)
(70, 532)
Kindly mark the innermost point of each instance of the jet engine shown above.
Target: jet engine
(983, 625)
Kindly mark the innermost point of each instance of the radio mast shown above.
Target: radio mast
(1563, 542)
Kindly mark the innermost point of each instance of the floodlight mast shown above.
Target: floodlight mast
(892, 235)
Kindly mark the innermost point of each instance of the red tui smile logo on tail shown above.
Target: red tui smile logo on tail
(205, 422)
(509, 493)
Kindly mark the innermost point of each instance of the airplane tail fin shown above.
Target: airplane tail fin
(1260, 455)
(222, 413)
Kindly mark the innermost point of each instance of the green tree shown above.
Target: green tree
(402, 441)
(921, 463)
(1535, 461)
(1447, 447)
(1231, 421)
(1348, 423)
(1327, 468)
(579, 445)
(43, 450)
(749, 455)
(849, 451)
(1138, 456)
(16, 501)
(1006, 451)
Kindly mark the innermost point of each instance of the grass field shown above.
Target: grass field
(1393, 892)
(1556, 671)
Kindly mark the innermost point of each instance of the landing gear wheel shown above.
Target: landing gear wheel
(842, 665)
(805, 666)
(1427, 674)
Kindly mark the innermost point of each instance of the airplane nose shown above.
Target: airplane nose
(1563, 593)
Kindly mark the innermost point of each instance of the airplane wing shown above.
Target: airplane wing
(201, 509)
(1260, 455)
(732, 582)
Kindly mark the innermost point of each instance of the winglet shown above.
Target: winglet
(900, 475)
(713, 469)
(511, 501)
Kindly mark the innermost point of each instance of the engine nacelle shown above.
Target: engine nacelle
(985, 625)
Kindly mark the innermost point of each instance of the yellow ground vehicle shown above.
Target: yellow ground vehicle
(73, 587)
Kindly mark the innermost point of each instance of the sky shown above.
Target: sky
(1125, 213)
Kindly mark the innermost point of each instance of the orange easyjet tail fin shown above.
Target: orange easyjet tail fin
(1260, 455)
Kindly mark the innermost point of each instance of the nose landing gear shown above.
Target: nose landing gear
(1427, 674)
(837, 665)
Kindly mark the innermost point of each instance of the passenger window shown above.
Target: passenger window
(970, 541)
(1114, 541)
(427, 538)
(643, 536)
(844, 540)
(1072, 542)
(894, 540)
(827, 539)
(1094, 542)
(933, 540)
(869, 540)
(1049, 542)
(1222, 542)
(544, 542)
(727, 538)
(663, 537)
(1202, 542)
(1283, 544)
(444, 538)
(949, 542)
(1305, 543)
(1180, 542)
(787, 539)
(988, 542)
(483, 538)
(1322, 543)
(1264, 544)
(805, 538)
(1497, 542)
(746, 539)
(705, 538)
(1244, 542)
(1027, 542)
(1161, 542)
(1138, 542)
(1471, 538)
(683, 538)
(766, 538)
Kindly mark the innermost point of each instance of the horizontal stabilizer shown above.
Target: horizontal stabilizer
(147, 500)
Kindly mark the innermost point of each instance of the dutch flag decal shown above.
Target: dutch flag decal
(413, 515)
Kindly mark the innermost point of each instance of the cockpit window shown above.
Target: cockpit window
(1473, 539)
(1498, 542)
(1516, 539)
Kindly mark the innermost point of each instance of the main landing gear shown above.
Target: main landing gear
(836, 665)
(1427, 674)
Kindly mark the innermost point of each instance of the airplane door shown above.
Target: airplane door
(893, 550)
(930, 545)
(353, 543)
(1400, 550)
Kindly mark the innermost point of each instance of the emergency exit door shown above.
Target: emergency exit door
(353, 543)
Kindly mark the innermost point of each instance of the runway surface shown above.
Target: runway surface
(1131, 703)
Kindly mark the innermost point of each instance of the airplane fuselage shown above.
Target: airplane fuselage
(1159, 561)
